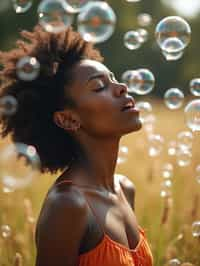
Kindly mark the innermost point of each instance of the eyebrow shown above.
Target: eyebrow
(98, 75)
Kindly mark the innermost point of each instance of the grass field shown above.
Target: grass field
(168, 221)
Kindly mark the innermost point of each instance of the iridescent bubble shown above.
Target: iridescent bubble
(54, 15)
(167, 170)
(6, 231)
(173, 34)
(196, 229)
(132, 40)
(166, 189)
(195, 87)
(21, 6)
(148, 123)
(183, 157)
(122, 154)
(144, 19)
(145, 109)
(156, 142)
(147, 82)
(172, 56)
(77, 5)
(132, 79)
(19, 165)
(27, 68)
(143, 35)
(198, 173)
(8, 105)
(96, 23)
(174, 262)
(173, 98)
(184, 140)
(172, 148)
(192, 115)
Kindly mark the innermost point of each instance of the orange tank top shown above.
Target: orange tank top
(111, 253)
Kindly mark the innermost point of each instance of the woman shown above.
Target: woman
(75, 113)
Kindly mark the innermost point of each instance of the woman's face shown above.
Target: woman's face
(100, 101)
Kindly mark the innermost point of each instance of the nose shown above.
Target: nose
(121, 89)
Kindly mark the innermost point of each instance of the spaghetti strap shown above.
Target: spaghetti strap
(69, 181)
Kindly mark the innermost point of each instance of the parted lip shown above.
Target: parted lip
(128, 103)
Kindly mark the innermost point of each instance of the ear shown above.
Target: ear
(67, 120)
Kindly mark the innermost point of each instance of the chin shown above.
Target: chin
(134, 127)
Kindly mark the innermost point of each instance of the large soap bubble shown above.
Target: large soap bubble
(96, 23)
(54, 15)
(132, 40)
(192, 115)
(173, 98)
(173, 34)
(195, 86)
(21, 6)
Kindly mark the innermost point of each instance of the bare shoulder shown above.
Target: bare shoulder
(62, 224)
(128, 188)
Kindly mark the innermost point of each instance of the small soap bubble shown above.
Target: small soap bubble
(146, 83)
(174, 262)
(196, 229)
(122, 154)
(148, 123)
(173, 34)
(54, 15)
(167, 170)
(156, 142)
(96, 23)
(183, 157)
(184, 139)
(195, 87)
(21, 6)
(144, 19)
(28, 68)
(198, 173)
(166, 189)
(132, 40)
(8, 105)
(173, 55)
(6, 231)
(143, 35)
(77, 5)
(145, 109)
(19, 165)
(132, 79)
(172, 148)
(192, 115)
(173, 98)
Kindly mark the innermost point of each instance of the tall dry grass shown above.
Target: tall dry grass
(167, 220)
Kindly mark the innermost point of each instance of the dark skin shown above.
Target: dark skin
(66, 226)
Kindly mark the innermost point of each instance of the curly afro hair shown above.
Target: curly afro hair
(38, 99)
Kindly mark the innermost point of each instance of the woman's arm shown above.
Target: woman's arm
(60, 229)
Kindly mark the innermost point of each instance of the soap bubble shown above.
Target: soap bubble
(196, 229)
(144, 19)
(8, 105)
(166, 188)
(148, 123)
(172, 56)
(192, 115)
(145, 109)
(19, 165)
(185, 139)
(143, 35)
(132, 79)
(77, 5)
(27, 68)
(173, 34)
(132, 40)
(147, 82)
(183, 157)
(21, 6)
(122, 154)
(133, 1)
(156, 142)
(174, 262)
(173, 98)
(195, 87)
(198, 173)
(167, 170)
(172, 148)
(54, 15)
(6, 231)
(96, 23)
